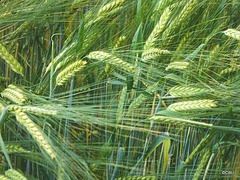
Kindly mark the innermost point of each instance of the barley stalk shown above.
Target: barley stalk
(69, 71)
(111, 59)
(15, 65)
(14, 175)
(36, 133)
(233, 33)
(192, 105)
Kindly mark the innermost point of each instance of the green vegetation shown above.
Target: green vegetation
(120, 89)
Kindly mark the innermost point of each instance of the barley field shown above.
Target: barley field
(119, 89)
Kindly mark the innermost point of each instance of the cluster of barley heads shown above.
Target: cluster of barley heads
(119, 89)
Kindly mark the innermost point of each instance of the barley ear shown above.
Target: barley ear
(184, 91)
(35, 131)
(119, 43)
(1, 106)
(192, 105)
(202, 164)
(137, 178)
(14, 175)
(35, 110)
(150, 43)
(192, 123)
(204, 142)
(14, 64)
(199, 147)
(232, 33)
(111, 59)
(15, 94)
(229, 70)
(70, 71)
(153, 53)
(137, 102)
(2, 177)
(16, 149)
(177, 65)
(110, 6)
(121, 104)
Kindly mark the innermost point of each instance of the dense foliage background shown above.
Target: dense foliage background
(120, 89)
